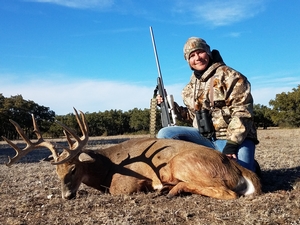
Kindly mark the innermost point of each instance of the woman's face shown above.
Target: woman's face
(199, 59)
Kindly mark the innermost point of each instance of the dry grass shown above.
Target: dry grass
(30, 194)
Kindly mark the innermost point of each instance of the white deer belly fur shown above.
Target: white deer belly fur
(158, 187)
(245, 187)
(250, 187)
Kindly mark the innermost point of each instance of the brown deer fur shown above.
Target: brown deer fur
(150, 164)
(210, 173)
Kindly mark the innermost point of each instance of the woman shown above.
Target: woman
(223, 96)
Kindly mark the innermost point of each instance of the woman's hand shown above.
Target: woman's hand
(232, 156)
(159, 99)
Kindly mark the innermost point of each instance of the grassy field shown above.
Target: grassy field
(30, 194)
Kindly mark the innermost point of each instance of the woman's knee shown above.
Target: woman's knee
(178, 132)
(165, 132)
(161, 133)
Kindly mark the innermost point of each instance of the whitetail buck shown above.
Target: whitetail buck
(144, 164)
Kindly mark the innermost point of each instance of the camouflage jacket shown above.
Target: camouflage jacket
(232, 111)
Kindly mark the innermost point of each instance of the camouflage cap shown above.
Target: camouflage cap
(193, 44)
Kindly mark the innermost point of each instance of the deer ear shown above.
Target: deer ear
(84, 157)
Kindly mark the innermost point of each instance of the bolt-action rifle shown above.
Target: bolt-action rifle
(167, 106)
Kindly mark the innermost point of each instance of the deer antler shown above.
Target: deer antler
(74, 146)
(29, 145)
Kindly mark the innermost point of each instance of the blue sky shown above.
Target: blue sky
(97, 55)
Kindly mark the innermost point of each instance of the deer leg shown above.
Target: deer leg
(214, 192)
(121, 184)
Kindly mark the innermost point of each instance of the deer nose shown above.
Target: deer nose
(68, 195)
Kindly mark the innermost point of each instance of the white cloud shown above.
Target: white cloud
(79, 3)
(234, 34)
(263, 96)
(220, 12)
(214, 12)
(87, 96)
(285, 80)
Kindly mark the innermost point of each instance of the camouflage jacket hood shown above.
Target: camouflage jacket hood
(232, 111)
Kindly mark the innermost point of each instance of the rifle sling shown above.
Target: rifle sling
(211, 92)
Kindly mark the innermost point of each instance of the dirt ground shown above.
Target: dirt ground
(30, 194)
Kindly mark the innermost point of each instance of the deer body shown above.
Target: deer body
(151, 164)
(129, 167)
(143, 164)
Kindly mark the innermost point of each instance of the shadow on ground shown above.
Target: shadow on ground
(279, 179)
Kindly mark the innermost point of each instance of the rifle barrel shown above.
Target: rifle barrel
(156, 55)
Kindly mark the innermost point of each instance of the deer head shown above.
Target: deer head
(65, 161)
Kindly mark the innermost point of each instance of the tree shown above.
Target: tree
(139, 119)
(20, 110)
(286, 108)
(96, 125)
(262, 116)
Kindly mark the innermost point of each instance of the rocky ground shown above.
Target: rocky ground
(30, 193)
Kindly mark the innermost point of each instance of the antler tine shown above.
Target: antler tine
(36, 128)
(82, 122)
(29, 145)
(19, 152)
(78, 145)
(70, 141)
(21, 132)
(41, 142)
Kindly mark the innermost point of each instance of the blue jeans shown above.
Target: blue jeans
(245, 153)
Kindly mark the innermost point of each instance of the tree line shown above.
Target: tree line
(107, 123)
(285, 112)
